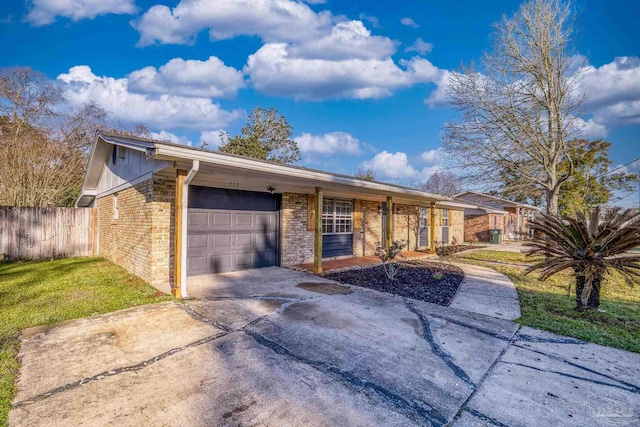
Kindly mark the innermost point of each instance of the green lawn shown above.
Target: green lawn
(546, 305)
(488, 255)
(46, 292)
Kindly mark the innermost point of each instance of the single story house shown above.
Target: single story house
(168, 211)
(493, 212)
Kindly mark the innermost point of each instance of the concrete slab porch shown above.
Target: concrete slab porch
(361, 261)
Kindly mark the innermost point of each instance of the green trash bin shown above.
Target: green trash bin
(496, 236)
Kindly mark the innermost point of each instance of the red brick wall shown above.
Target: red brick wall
(476, 228)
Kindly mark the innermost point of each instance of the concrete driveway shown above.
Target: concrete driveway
(275, 347)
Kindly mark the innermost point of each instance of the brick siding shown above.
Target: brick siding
(476, 228)
(141, 239)
(297, 241)
(127, 240)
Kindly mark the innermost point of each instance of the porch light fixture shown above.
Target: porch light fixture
(271, 189)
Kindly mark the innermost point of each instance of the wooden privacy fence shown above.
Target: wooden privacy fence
(45, 233)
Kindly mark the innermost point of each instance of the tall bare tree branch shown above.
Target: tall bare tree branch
(519, 112)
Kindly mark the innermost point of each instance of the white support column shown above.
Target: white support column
(517, 223)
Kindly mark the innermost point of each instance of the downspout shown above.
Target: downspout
(185, 211)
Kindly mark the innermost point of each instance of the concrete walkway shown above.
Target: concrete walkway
(285, 348)
(485, 291)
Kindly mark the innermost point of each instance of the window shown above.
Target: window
(445, 217)
(423, 217)
(337, 216)
(495, 221)
(116, 208)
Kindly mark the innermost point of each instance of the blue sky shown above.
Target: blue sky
(361, 82)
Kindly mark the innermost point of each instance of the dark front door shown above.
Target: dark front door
(231, 230)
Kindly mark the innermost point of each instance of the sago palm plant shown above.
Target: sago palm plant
(590, 245)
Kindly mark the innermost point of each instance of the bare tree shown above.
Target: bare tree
(27, 99)
(44, 145)
(520, 110)
(366, 174)
(445, 183)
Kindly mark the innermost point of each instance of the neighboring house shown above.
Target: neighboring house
(168, 211)
(493, 212)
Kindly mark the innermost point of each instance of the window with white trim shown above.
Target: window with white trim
(337, 216)
(445, 217)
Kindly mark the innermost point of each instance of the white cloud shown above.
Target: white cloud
(388, 165)
(438, 97)
(427, 171)
(271, 20)
(208, 79)
(211, 138)
(590, 129)
(420, 46)
(409, 22)
(44, 12)
(347, 40)
(329, 143)
(163, 135)
(431, 156)
(160, 112)
(274, 71)
(614, 91)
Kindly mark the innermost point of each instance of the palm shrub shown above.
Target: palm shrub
(590, 245)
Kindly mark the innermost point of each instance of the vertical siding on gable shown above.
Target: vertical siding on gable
(134, 165)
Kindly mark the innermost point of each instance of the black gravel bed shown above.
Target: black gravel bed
(414, 280)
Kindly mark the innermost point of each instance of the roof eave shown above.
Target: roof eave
(173, 151)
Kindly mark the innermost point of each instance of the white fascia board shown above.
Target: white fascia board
(500, 199)
(134, 145)
(455, 205)
(320, 177)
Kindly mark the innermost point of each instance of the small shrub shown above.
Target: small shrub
(388, 255)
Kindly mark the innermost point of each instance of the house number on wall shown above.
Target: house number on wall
(234, 184)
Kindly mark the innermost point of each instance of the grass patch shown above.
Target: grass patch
(45, 292)
(501, 256)
(547, 305)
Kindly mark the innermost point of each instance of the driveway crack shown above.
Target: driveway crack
(437, 349)
(486, 418)
(464, 406)
(626, 387)
(431, 415)
(114, 372)
(633, 387)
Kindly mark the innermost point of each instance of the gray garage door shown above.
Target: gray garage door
(223, 240)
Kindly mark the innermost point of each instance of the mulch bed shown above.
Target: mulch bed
(415, 280)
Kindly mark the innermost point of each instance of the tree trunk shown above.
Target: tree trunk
(593, 302)
(552, 201)
(594, 296)
(580, 283)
